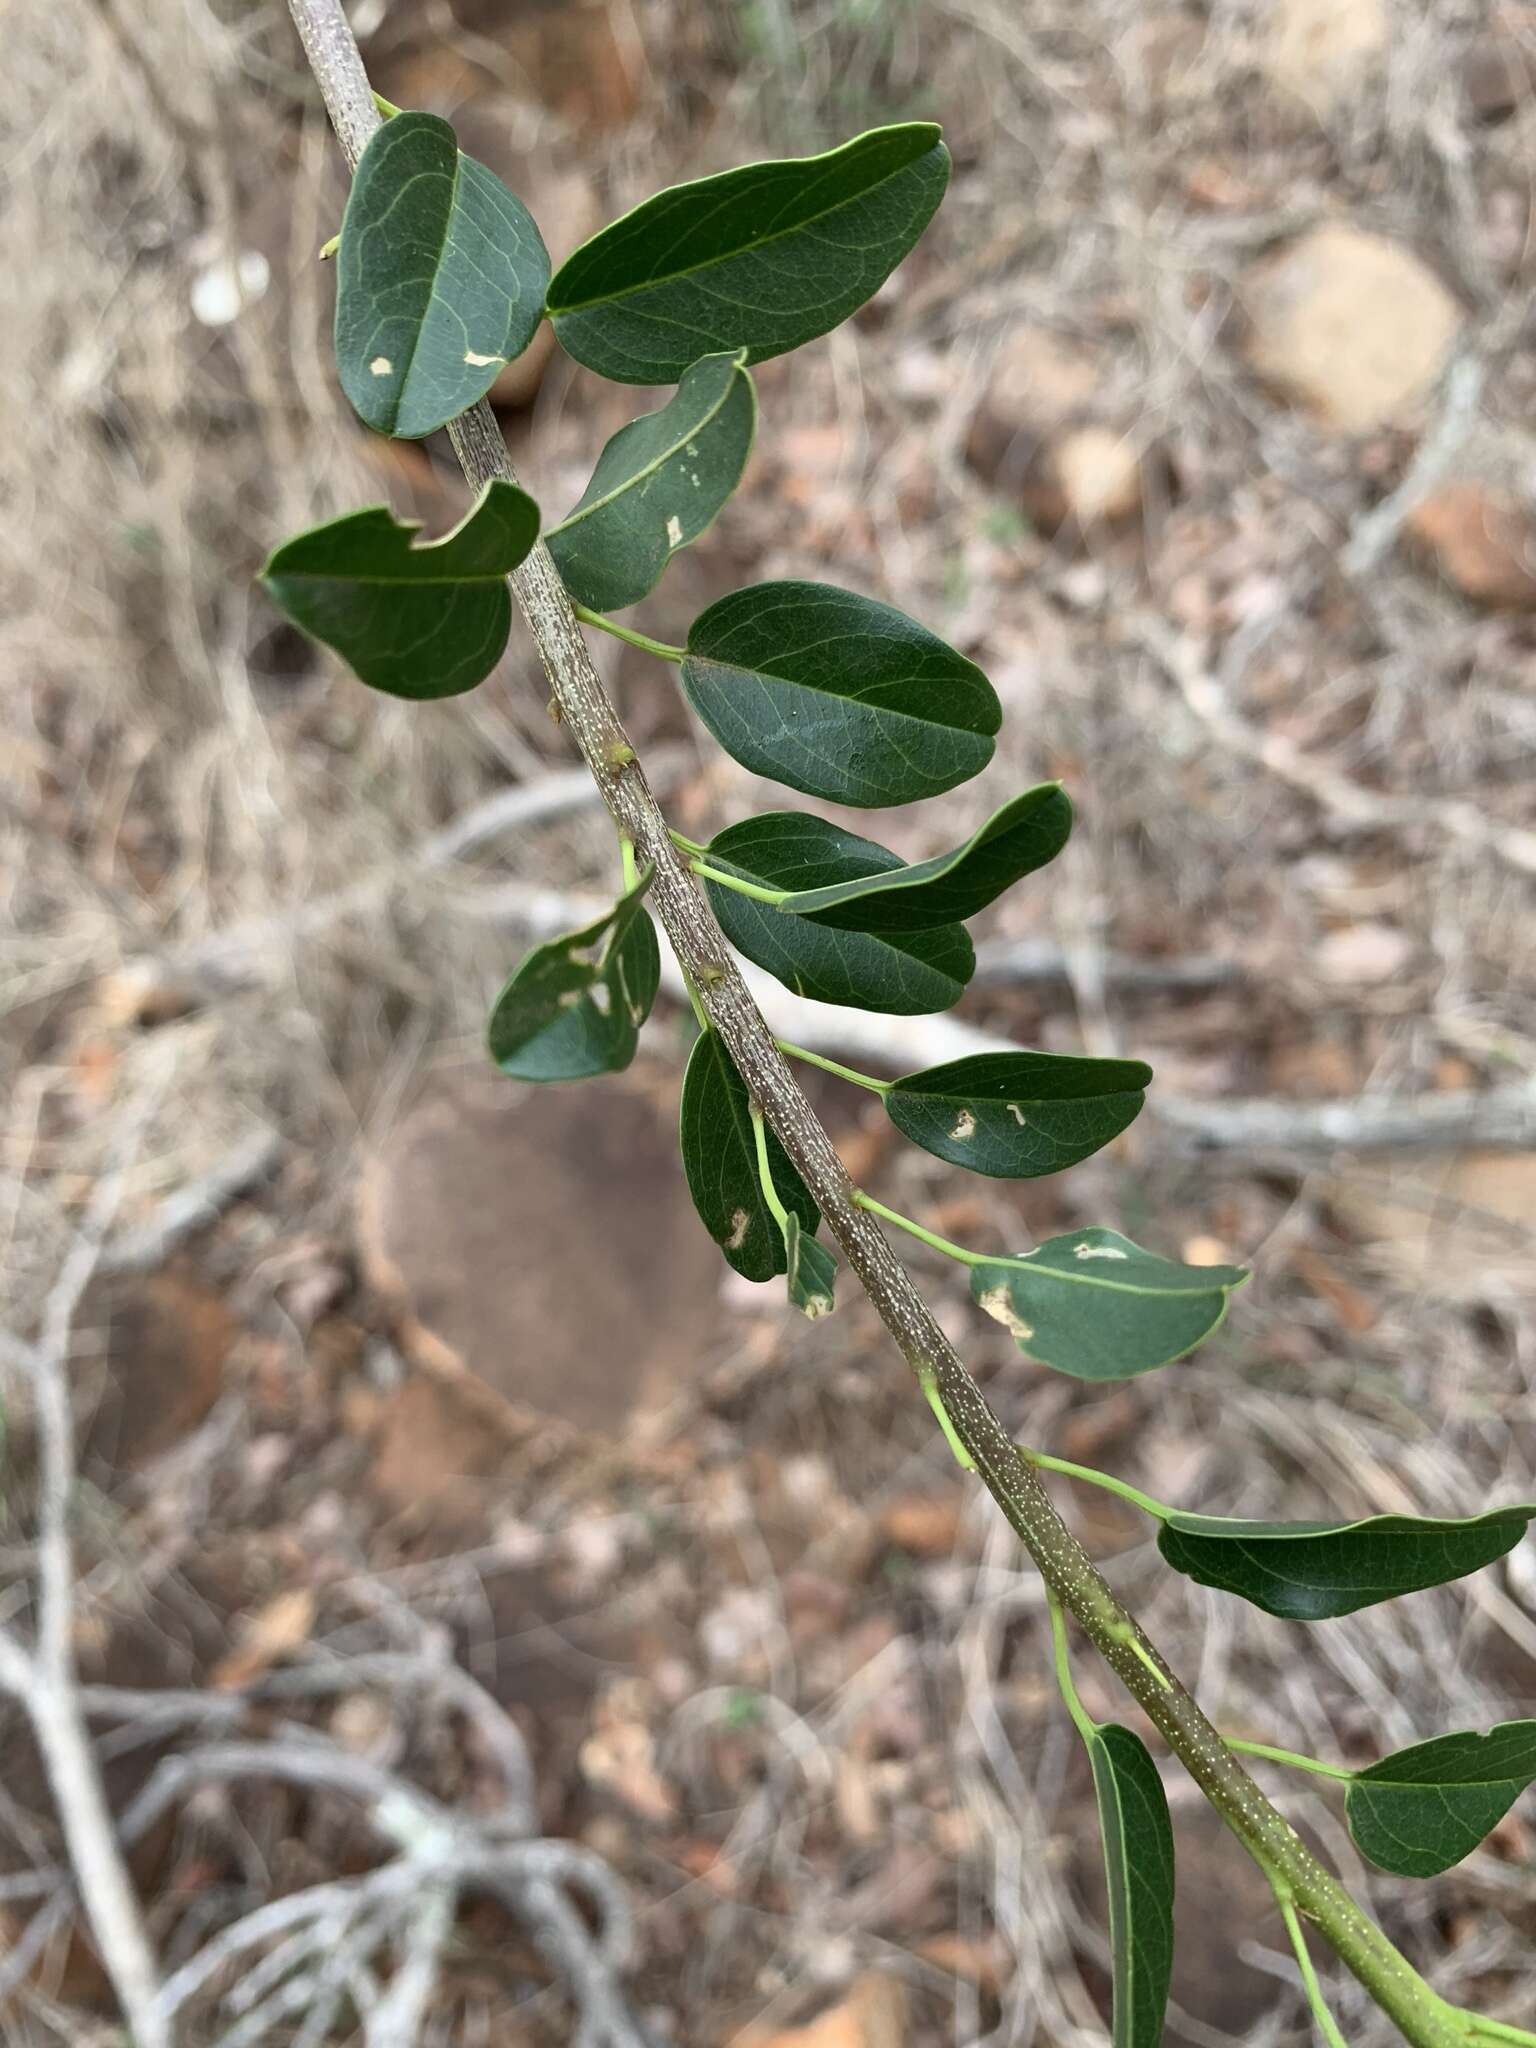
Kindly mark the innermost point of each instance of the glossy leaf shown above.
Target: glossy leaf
(1093, 1304)
(415, 618)
(720, 1161)
(1016, 1115)
(837, 695)
(1138, 1866)
(951, 887)
(575, 1005)
(810, 1270)
(904, 975)
(763, 257)
(440, 279)
(1309, 1571)
(1424, 1808)
(657, 486)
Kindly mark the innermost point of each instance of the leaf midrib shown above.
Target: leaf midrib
(1109, 1286)
(711, 661)
(639, 476)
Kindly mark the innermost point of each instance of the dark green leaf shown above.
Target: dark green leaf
(1095, 1305)
(764, 257)
(837, 695)
(720, 1160)
(810, 1269)
(657, 485)
(1138, 1864)
(1308, 1571)
(575, 1005)
(905, 975)
(440, 279)
(1017, 1114)
(418, 619)
(951, 887)
(1420, 1811)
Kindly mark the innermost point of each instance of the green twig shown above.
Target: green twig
(816, 1059)
(927, 1379)
(604, 624)
(627, 861)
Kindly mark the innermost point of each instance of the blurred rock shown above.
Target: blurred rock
(1092, 478)
(165, 1340)
(1040, 430)
(1498, 72)
(1318, 51)
(1348, 324)
(926, 1524)
(1482, 540)
(1362, 955)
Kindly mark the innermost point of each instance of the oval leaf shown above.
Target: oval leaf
(809, 1269)
(1015, 1115)
(1095, 1305)
(1309, 1571)
(837, 695)
(720, 1161)
(905, 975)
(440, 279)
(763, 257)
(416, 618)
(1421, 1810)
(1138, 1865)
(575, 1005)
(951, 887)
(657, 485)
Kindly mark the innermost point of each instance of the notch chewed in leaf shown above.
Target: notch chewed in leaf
(1421, 1810)
(440, 279)
(415, 618)
(1093, 1304)
(765, 256)
(657, 485)
(575, 1005)
(1015, 1115)
(1311, 1571)
(810, 1270)
(838, 695)
(720, 1161)
(1138, 1867)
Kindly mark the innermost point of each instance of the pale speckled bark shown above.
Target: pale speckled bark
(592, 722)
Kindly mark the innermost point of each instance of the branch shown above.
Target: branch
(590, 718)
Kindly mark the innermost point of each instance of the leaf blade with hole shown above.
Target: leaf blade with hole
(810, 1271)
(1313, 1571)
(574, 1006)
(837, 695)
(720, 1164)
(1098, 1307)
(418, 619)
(1137, 1835)
(1016, 1115)
(1422, 1809)
(765, 257)
(902, 975)
(440, 279)
(658, 484)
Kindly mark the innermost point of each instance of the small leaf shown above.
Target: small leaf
(1016, 1115)
(837, 695)
(763, 257)
(1424, 1808)
(1138, 1865)
(951, 887)
(720, 1161)
(416, 618)
(810, 1269)
(657, 485)
(904, 975)
(440, 279)
(1309, 1571)
(575, 1005)
(1095, 1305)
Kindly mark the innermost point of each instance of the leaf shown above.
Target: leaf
(1015, 1115)
(1309, 1571)
(415, 618)
(657, 485)
(951, 887)
(440, 279)
(1095, 1305)
(575, 1005)
(763, 257)
(837, 695)
(720, 1161)
(1138, 1865)
(810, 1269)
(1424, 1808)
(905, 975)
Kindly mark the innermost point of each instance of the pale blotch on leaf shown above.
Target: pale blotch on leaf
(381, 366)
(997, 1303)
(965, 1127)
(1018, 1116)
(480, 362)
(740, 1222)
(816, 1305)
(1097, 1251)
(674, 531)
